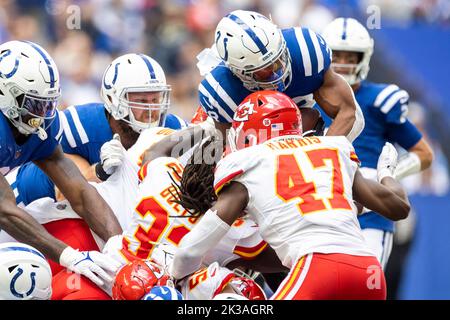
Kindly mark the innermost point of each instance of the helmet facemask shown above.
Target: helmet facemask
(358, 71)
(276, 74)
(144, 107)
(32, 114)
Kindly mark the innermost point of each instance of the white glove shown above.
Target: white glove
(387, 162)
(112, 249)
(91, 264)
(112, 154)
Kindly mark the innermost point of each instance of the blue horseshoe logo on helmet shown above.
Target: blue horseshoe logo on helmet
(116, 72)
(225, 40)
(12, 286)
(14, 70)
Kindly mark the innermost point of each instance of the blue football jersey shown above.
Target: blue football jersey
(86, 129)
(13, 155)
(221, 92)
(385, 109)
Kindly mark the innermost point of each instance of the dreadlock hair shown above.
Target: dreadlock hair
(195, 192)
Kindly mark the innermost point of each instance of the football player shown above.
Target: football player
(135, 97)
(30, 130)
(154, 224)
(385, 109)
(256, 55)
(300, 192)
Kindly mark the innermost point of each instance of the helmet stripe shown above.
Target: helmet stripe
(249, 31)
(344, 31)
(149, 66)
(47, 61)
(22, 249)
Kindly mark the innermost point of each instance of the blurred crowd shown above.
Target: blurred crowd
(85, 36)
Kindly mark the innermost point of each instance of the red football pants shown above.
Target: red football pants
(336, 276)
(67, 285)
(73, 232)
(70, 286)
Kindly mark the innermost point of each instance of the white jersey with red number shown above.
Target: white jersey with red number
(158, 223)
(206, 283)
(300, 194)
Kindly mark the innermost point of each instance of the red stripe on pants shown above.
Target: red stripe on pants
(339, 277)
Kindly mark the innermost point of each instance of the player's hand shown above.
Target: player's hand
(91, 264)
(112, 249)
(387, 162)
(112, 154)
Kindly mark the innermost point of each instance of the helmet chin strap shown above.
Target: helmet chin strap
(27, 130)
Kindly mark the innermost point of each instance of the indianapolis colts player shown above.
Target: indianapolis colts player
(256, 55)
(30, 130)
(24, 273)
(135, 97)
(385, 108)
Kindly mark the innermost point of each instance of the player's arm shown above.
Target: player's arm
(419, 157)
(336, 98)
(87, 170)
(23, 227)
(387, 198)
(222, 127)
(173, 144)
(179, 143)
(83, 198)
(209, 230)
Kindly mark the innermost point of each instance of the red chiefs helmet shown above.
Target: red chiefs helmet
(248, 288)
(136, 279)
(264, 115)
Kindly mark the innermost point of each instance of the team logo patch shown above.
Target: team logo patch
(244, 111)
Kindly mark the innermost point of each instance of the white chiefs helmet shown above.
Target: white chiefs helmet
(254, 49)
(347, 34)
(24, 273)
(29, 87)
(135, 73)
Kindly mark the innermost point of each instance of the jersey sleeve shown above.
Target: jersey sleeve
(220, 93)
(392, 102)
(405, 134)
(321, 50)
(233, 167)
(74, 138)
(311, 51)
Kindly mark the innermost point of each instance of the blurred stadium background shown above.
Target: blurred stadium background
(412, 49)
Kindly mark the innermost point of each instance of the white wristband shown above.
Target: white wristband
(408, 165)
(67, 256)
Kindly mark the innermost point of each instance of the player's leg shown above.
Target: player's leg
(73, 232)
(380, 243)
(70, 286)
(333, 276)
(310, 279)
